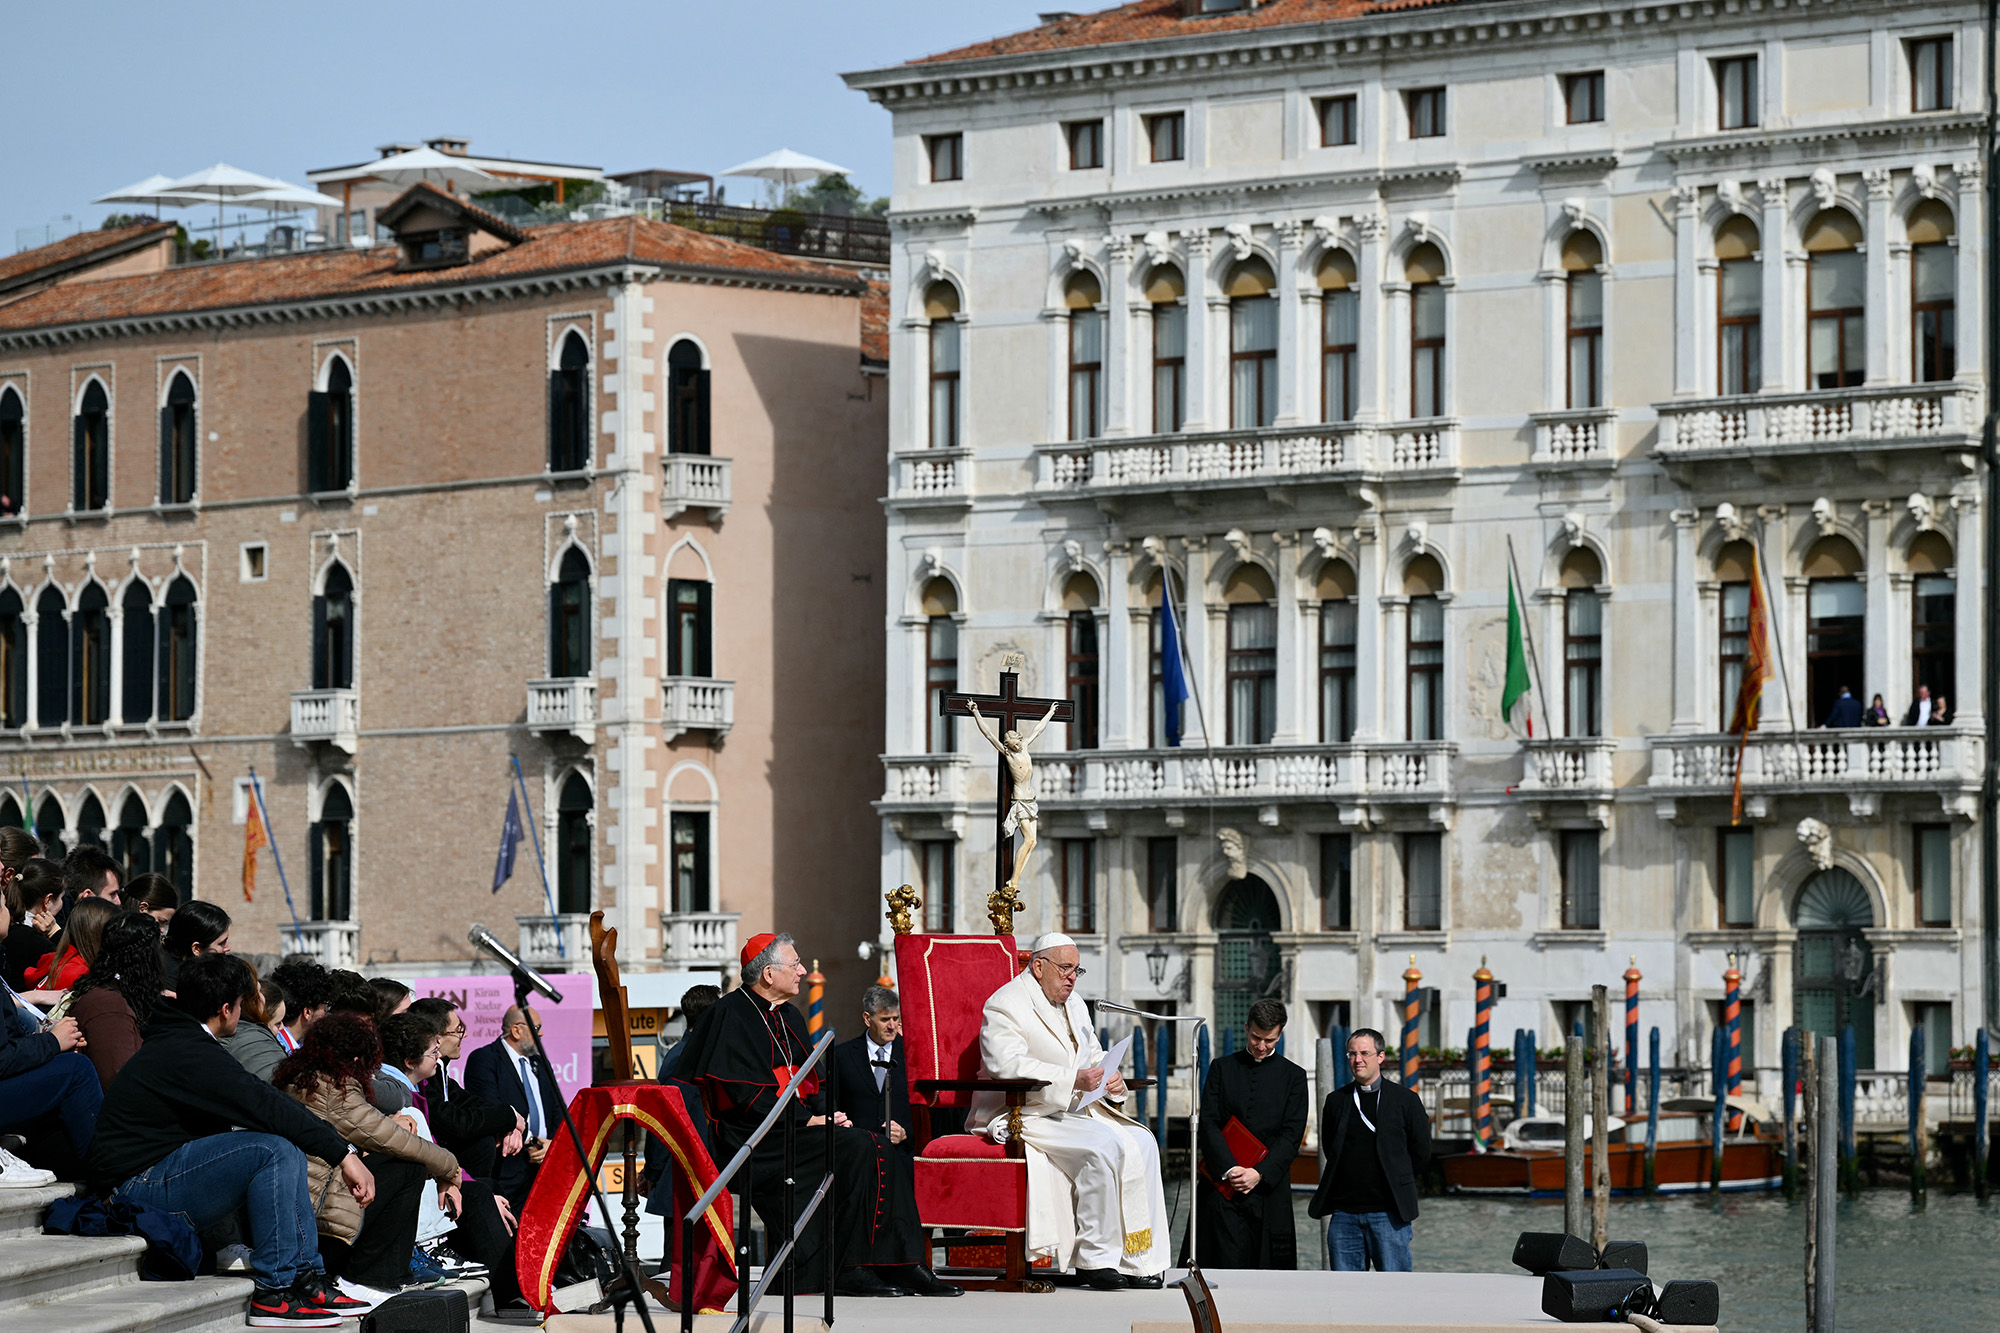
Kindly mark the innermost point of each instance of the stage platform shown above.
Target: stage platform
(1246, 1302)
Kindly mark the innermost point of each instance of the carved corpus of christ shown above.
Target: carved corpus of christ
(1023, 816)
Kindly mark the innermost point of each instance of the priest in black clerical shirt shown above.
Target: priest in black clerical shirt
(1377, 1140)
(742, 1054)
(1253, 1116)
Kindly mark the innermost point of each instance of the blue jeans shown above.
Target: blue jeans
(1356, 1242)
(209, 1179)
(66, 1085)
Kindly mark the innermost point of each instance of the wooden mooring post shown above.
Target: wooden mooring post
(1574, 1220)
(1600, 1119)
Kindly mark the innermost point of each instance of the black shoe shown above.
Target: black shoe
(1154, 1283)
(515, 1312)
(1102, 1279)
(862, 1282)
(917, 1280)
(284, 1307)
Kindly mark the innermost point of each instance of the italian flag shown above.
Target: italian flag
(1514, 693)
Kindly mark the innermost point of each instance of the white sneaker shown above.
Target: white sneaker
(17, 1174)
(369, 1296)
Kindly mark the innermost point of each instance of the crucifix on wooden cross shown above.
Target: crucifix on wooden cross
(999, 717)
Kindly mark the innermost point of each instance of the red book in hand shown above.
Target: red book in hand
(1244, 1146)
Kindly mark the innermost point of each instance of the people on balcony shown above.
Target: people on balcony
(1846, 711)
(1877, 714)
(1920, 710)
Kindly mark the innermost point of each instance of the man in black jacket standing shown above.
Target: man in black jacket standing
(874, 1081)
(164, 1140)
(1378, 1139)
(505, 1072)
(1250, 1225)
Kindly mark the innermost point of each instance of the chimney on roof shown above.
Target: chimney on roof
(446, 143)
(1197, 8)
(1055, 16)
(391, 149)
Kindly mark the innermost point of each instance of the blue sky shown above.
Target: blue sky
(98, 95)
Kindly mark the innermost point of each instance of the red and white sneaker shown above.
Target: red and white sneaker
(326, 1296)
(286, 1307)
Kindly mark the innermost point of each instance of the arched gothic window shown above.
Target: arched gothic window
(90, 822)
(1836, 301)
(1583, 644)
(1166, 293)
(13, 661)
(90, 658)
(569, 617)
(332, 839)
(687, 400)
(1933, 293)
(1739, 307)
(177, 652)
(1423, 645)
(13, 453)
(1340, 337)
(941, 308)
(1252, 290)
(49, 825)
(178, 442)
(1424, 270)
(1252, 656)
(1583, 295)
(1082, 297)
(129, 847)
(333, 632)
(330, 431)
(173, 845)
(573, 806)
(136, 609)
(569, 407)
(90, 461)
(51, 658)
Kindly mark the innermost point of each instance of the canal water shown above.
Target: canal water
(1932, 1269)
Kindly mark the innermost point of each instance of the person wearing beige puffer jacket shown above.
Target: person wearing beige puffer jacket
(329, 1076)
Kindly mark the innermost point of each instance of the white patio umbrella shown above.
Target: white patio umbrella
(419, 164)
(146, 191)
(225, 181)
(787, 168)
(287, 200)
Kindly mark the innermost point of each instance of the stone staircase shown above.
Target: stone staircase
(78, 1284)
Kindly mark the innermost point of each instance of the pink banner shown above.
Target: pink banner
(565, 1026)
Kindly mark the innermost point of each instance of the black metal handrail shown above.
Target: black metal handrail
(746, 1295)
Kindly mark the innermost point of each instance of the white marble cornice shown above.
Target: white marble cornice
(1750, 148)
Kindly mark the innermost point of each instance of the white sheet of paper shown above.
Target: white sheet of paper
(1113, 1059)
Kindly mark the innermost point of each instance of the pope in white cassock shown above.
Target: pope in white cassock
(1094, 1195)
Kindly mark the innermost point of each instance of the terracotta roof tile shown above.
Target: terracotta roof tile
(875, 322)
(80, 246)
(1153, 20)
(319, 275)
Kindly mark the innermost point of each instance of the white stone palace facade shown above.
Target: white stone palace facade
(1327, 316)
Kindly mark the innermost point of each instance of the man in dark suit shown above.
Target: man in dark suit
(873, 1081)
(499, 1073)
(1846, 710)
(1377, 1139)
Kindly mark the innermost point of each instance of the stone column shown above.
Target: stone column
(1396, 345)
(1787, 619)
(1291, 337)
(1292, 671)
(1368, 665)
(1395, 674)
(1779, 373)
(1687, 292)
(30, 714)
(1370, 384)
(1968, 695)
(1881, 321)
(1119, 343)
(1688, 632)
(1194, 626)
(1555, 339)
(1971, 228)
(1200, 374)
(1116, 680)
(1879, 633)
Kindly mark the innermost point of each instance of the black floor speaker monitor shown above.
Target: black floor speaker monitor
(1623, 1254)
(1688, 1301)
(1596, 1296)
(1546, 1251)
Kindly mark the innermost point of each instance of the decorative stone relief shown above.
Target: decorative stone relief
(1817, 839)
(1237, 234)
(1234, 854)
(1922, 512)
(1159, 247)
(1880, 183)
(1732, 523)
(1824, 188)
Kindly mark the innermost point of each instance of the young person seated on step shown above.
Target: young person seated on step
(48, 1090)
(189, 1130)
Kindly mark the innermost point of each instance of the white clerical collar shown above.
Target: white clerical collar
(1376, 1086)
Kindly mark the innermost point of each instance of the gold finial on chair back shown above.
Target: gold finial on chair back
(611, 995)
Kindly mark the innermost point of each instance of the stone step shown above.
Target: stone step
(204, 1305)
(21, 1209)
(35, 1270)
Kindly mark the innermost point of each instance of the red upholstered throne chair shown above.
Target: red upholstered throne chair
(964, 1181)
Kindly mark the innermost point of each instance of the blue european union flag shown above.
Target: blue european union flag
(1173, 680)
(510, 842)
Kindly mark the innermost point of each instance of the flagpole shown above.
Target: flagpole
(1528, 633)
(271, 841)
(528, 810)
(1778, 642)
(1189, 676)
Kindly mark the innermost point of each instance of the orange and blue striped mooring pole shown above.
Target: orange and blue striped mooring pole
(1732, 1015)
(1482, 1059)
(815, 994)
(1412, 1057)
(1631, 1035)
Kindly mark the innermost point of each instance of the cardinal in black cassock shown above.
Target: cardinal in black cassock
(742, 1054)
(1267, 1094)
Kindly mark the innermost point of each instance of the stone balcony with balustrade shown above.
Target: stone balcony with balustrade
(1576, 439)
(332, 716)
(559, 943)
(1873, 419)
(699, 941)
(329, 943)
(925, 478)
(697, 703)
(695, 481)
(1220, 459)
(564, 705)
(1862, 764)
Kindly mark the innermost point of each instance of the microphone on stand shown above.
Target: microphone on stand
(482, 938)
(1147, 1013)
